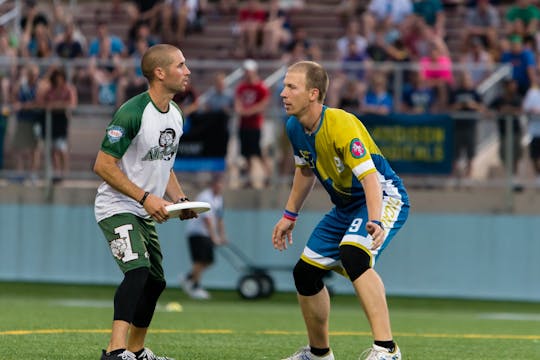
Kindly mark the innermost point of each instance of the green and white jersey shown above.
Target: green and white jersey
(146, 142)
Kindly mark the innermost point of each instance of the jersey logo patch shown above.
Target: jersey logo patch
(115, 133)
(166, 147)
(357, 149)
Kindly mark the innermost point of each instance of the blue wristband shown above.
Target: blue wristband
(378, 223)
(290, 215)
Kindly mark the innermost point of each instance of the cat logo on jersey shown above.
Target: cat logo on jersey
(357, 149)
(115, 133)
(166, 148)
(308, 158)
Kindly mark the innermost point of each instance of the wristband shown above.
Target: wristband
(181, 200)
(378, 223)
(289, 215)
(143, 199)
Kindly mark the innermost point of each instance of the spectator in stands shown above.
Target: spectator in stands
(220, 98)
(466, 100)
(507, 107)
(132, 80)
(31, 16)
(380, 49)
(8, 69)
(60, 99)
(416, 37)
(482, 21)
(188, 101)
(437, 66)
(349, 10)
(219, 105)
(251, 99)
(388, 15)
(68, 47)
(352, 34)
(228, 6)
(418, 97)
(140, 31)
(436, 69)
(105, 51)
(377, 100)
(190, 16)
(531, 107)
(301, 47)
(27, 102)
(523, 63)
(38, 43)
(431, 12)
(276, 30)
(350, 96)
(251, 20)
(476, 60)
(522, 18)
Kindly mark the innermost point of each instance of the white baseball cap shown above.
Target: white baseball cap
(250, 65)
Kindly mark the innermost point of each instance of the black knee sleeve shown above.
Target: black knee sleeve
(308, 278)
(128, 294)
(355, 261)
(147, 302)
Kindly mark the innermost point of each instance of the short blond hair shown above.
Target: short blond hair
(316, 76)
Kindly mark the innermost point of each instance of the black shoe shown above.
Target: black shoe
(120, 354)
(147, 354)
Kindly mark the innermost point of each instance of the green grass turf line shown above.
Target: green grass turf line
(56, 322)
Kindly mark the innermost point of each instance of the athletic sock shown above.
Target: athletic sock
(318, 351)
(389, 345)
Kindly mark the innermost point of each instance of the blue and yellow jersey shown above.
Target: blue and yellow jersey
(341, 153)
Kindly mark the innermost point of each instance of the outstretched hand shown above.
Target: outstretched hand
(282, 234)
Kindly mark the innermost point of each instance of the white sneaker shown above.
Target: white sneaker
(380, 353)
(199, 294)
(193, 291)
(305, 354)
(186, 284)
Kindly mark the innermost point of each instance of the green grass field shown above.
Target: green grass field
(56, 322)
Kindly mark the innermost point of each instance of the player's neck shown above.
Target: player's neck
(160, 99)
(313, 119)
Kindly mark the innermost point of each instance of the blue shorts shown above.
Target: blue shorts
(339, 227)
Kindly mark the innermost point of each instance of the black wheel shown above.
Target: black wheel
(250, 287)
(267, 285)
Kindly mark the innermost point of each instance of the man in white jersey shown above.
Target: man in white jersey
(135, 161)
(203, 234)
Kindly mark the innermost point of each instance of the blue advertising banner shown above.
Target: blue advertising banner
(414, 144)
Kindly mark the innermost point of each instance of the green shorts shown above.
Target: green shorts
(134, 243)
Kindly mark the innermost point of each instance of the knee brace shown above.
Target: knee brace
(308, 278)
(128, 294)
(355, 261)
(147, 302)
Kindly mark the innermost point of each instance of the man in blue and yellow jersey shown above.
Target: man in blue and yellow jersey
(371, 205)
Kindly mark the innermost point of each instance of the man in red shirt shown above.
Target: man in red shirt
(251, 99)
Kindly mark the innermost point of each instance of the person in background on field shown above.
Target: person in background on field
(60, 99)
(531, 107)
(136, 163)
(466, 100)
(27, 102)
(251, 99)
(507, 107)
(370, 206)
(203, 233)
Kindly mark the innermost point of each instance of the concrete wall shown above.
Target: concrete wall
(443, 255)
